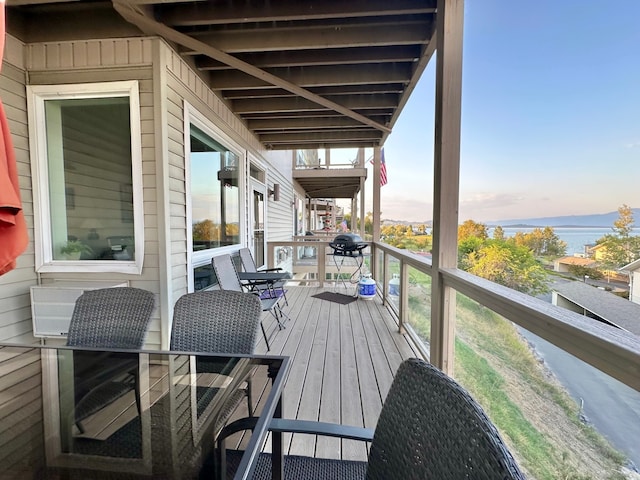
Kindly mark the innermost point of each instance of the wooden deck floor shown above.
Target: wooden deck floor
(343, 361)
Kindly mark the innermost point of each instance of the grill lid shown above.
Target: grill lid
(347, 244)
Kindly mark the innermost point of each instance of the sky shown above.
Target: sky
(550, 115)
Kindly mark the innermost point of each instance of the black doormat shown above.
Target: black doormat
(336, 297)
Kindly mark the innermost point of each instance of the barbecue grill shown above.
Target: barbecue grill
(348, 245)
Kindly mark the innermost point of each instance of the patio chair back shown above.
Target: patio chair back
(216, 321)
(430, 427)
(111, 318)
(228, 280)
(248, 264)
(226, 273)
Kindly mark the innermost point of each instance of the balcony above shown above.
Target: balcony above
(330, 183)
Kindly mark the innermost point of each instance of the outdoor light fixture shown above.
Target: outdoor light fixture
(275, 192)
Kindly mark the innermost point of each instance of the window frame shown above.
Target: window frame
(203, 257)
(37, 95)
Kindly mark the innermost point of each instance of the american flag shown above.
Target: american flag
(383, 169)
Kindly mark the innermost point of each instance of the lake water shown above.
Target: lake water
(576, 237)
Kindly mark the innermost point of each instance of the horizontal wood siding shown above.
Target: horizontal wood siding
(184, 84)
(15, 302)
(280, 213)
(88, 62)
(21, 425)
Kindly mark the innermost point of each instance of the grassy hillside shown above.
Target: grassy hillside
(534, 413)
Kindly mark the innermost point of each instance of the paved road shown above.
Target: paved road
(612, 407)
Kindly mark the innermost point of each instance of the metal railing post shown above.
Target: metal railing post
(403, 301)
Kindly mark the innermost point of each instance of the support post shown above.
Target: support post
(446, 178)
(377, 214)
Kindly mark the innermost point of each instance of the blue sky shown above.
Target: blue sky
(550, 115)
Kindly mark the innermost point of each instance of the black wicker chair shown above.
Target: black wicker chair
(217, 321)
(227, 277)
(429, 428)
(109, 318)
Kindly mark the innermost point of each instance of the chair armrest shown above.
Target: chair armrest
(277, 269)
(287, 425)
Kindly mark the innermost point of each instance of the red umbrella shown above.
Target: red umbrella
(13, 229)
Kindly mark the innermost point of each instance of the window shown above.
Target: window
(215, 173)
(87, 177)
(215, 196)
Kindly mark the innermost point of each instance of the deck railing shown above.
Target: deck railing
(403, 281)
(549, 378)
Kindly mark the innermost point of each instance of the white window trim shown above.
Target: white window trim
(36, 97)
(198, 259)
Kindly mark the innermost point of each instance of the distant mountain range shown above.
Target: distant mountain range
(595, 220)
(602, 220)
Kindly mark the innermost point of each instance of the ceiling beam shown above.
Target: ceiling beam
(331, 56)
(323, 136)
(145, 23)
(314, 38)
(225, 13)
(306, 77)
(306, 123)
(378, 112)
(283, 104)
(396, 88)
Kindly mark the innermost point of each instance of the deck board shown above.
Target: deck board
(343, 361)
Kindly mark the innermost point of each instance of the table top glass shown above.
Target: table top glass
(75, 413)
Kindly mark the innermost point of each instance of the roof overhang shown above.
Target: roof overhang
(331, 183)
(300, 74)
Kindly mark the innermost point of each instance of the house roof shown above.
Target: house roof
(301, 74)
(585, 262)
(631, 267)
(613, 309)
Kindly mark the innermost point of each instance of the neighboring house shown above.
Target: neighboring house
(598, 252)
(595, 255)
(633, 270)
(597, 303)
(563, 264)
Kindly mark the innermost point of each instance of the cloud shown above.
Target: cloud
(633, 145)
(410, 209)
(490, 200)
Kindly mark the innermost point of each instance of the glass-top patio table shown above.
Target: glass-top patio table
(93, 414)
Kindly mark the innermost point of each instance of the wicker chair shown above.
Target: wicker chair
(108, 318)
(228, 280)
(249, 265)
(429, 428)
(111, 318)
(217, 321)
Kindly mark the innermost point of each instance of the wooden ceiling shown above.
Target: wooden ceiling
(302, 74)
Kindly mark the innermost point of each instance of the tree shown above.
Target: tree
(469, 228)
(552, 245)
(206, 230)
(542, 242)
(368, 223)
(581, 271)
(498, 233)
(508, 264)
(620, 247)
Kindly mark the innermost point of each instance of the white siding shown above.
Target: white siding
(89, 61)
(15, 305)
(184, 84)
(68, 63)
